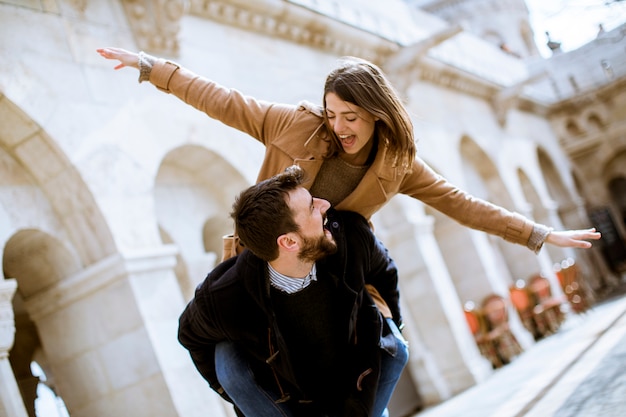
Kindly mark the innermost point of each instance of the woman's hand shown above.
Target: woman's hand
(573, 238)
(126, 58)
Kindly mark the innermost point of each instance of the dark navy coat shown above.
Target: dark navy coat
(233, 304)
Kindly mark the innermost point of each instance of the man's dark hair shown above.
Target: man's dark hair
(261, 213)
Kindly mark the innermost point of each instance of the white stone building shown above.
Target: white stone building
(114, 196)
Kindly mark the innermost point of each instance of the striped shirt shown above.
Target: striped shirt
(291, 285)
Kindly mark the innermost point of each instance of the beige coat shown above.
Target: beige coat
(297, 135)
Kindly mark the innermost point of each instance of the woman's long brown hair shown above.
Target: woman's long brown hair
(362, 83)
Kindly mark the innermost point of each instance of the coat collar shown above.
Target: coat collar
(253, 272)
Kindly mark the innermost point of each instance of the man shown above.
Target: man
(287, 327)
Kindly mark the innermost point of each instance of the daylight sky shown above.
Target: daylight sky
(573, 22)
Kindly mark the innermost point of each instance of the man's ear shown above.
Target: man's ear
(288, 242)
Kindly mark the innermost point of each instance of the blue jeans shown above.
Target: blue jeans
(238, 381)
(391, 368)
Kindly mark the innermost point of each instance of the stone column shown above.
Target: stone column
(160, 301)
(444, 358)
(11, 403)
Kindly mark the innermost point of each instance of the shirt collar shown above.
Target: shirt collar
(288, 284)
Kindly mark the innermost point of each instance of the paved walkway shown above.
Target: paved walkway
(578, 372)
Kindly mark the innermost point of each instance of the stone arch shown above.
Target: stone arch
(480, 172)
(566, 204)
(50, 229)
(540, 212)
(552, 176)
(459, 253)
(455, 241)
(572, 127)
(194, 192)
(615, 167)
(81, 306)
(594, 122)
(37, 261)
(596, 117)
(532, 196)
(44, 165)
(511, 261)
(594, 176)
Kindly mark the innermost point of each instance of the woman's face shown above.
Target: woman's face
(353, 125)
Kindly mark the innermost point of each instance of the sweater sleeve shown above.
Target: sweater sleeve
(538, 237)
(146, 62)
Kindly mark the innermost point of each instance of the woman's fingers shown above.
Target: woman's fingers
(126, 58)
(573, 238)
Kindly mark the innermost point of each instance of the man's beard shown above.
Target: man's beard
(314, 249)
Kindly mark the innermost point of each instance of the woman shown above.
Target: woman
(358, 151)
